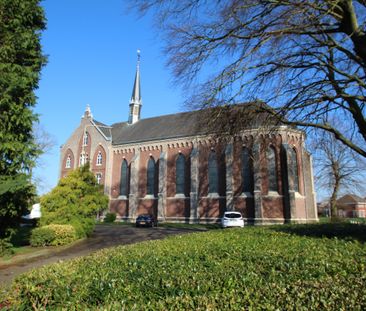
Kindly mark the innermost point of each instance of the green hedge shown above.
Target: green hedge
(53, 235)
(235, 269)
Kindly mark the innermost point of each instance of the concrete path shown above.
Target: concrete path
(104, 236)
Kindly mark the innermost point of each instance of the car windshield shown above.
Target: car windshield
(144, 217)
(232, 215)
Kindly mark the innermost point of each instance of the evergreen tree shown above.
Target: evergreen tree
(75, 200)
(21, 60)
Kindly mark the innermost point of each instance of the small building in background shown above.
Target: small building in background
(351, 205)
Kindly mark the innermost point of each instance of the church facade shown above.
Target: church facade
(170, 167)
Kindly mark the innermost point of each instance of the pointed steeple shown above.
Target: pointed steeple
(136, 101)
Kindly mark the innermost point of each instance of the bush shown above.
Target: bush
(6, 247)
(237, 269)
(110, 217)
(75, 200)
(42, 236)
(53, 235)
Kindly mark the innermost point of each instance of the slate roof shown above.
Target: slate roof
(184, 124)
(163, 127)
(105, 129)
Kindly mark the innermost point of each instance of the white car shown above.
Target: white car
(232, 219)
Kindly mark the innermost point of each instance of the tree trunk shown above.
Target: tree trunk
(333, 199)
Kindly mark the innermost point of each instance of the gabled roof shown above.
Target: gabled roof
(350, 198)
(187, 124)
(105, 129)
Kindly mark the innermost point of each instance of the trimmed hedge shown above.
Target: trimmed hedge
(53, 235)
(236, 269)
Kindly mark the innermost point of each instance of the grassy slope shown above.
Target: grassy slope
(288, 267)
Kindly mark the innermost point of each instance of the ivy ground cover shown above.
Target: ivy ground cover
(255, 268)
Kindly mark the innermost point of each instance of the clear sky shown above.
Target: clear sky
(91, 47)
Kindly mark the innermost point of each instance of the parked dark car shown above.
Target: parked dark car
(146, 220)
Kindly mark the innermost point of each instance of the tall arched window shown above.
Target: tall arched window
(272, 172)
(68, 162)
(99, 178)
(293, 169)
(180, 173)
(213, 180)
(84, 158)
(247, 171)
(124, 182)
(150, 176)
(99, 158)
(85, 139)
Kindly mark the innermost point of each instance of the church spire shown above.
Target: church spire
(135, 101)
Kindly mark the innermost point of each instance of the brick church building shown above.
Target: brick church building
(170, 167)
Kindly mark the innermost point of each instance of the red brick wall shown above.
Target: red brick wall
(120, 207)
(177, 207)
(86, 149)
(273, 207)
(99, 168)
(64, 170)
(208, 206)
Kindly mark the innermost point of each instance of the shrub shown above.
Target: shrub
(237, 269)
(75, 200)
(42, 236)
(6, 247)
(53, 235)
(110, 217)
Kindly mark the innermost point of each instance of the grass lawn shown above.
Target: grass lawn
(291, 267)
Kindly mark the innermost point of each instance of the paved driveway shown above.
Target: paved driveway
(104, 236)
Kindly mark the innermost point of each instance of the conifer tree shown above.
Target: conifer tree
(76, 200)
(21, 60)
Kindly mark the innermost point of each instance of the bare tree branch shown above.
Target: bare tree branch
(305, 59)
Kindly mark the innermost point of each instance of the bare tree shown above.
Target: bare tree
(305, 59)
(338, 169)
(45, 143)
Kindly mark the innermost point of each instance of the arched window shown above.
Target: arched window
(99, 158)
(124, 182)
(180, 173)
(150, 176)
(68, 162)
(99, 178)
(272, 172)
(85, 139)
(293, 169)
(83, 159)
(247, 171)
(213, 180)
